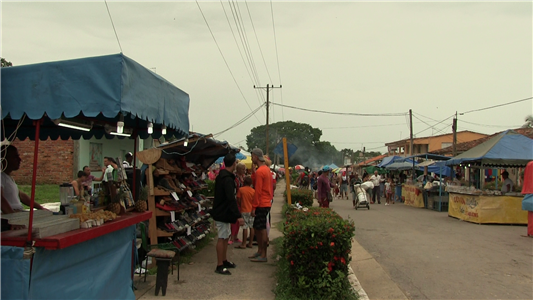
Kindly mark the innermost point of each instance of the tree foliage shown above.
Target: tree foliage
(6, 63)
(312, 152)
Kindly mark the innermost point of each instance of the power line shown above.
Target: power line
(494, 106)
(488, 125)
(277, 56)
(365, 126)
(252, 113)
(257, 39)
(341, 113)
(229, 69)
(113, 24)
(261, 97)
(430, 126)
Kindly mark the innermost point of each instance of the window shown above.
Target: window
(445, 145)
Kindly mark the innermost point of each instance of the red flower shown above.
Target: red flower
(333, 236)
(330, 230)
(292, 263)
(343, 260)
(332, 244)
(335, 258)
(330, 266)
(303, 252)
(320, 243)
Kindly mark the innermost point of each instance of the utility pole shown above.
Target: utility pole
(411, 132)
(454, 128)
(268, 88)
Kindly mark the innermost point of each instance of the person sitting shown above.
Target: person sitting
(77, 184)
(89, 178)
(128, 163)
(12, 198)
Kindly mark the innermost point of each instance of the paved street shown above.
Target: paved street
(432, 256)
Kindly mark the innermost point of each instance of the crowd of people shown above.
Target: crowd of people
(243, 202)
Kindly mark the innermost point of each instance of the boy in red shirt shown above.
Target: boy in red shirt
(245, 197)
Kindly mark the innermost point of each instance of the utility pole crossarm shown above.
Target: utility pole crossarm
(268, 88)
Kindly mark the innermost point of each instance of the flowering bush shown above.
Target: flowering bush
(317, 245)
(304, 197)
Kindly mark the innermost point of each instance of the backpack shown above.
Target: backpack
(315, 185)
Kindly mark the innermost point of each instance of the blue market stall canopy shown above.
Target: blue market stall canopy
(507, 149)
(389, 160)
(238, 155)
(93, 91)
(398, 166)
(201, 149)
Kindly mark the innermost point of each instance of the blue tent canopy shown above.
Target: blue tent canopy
(389, 160)
(506, 149)
(238, 155)
(94, 89)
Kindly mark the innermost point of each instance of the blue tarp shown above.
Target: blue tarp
(508, 148)
(439, 168)
(291, 149)
(238, 156)
(333, 166)
(97, 88)
(389, 160)
(95, 269)
(15, 273)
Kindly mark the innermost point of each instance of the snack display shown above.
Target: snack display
(103, 215)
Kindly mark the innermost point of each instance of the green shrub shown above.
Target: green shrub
(317, 245)
(304, 197)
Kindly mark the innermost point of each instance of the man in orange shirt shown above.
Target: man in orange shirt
(261, 204)
(245, 197)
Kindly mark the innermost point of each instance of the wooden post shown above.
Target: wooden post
(287, 174)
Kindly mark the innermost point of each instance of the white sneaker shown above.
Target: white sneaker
(386, 204)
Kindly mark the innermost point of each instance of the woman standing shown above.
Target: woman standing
(324, 187)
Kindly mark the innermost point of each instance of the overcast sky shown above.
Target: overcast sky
(435, 58)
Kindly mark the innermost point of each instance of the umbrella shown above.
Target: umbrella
(238, 155)
(299, 167)
(281, 170)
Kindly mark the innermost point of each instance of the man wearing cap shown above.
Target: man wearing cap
(261, 204)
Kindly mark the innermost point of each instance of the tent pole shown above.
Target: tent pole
(134, 183)
(37, 124)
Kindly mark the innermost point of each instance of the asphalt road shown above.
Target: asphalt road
(432, 256)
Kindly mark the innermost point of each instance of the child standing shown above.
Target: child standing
(388, 190)
(245, 196)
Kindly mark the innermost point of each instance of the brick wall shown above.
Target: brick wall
(55, 162)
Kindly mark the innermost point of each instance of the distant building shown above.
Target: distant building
(431, 143)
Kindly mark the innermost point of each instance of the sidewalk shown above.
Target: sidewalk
(198, 280)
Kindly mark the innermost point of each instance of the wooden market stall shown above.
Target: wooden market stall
(506, 150)
(104, 96)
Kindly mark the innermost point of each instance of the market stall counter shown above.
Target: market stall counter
(91, 263)
(485, 207)
(413, 195)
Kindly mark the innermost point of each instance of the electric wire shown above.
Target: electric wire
(488, 125)
(257, 39)
(277, 56)
(366, 126)
(494, 106)
(240, 121)
(113, 24)
(240, 53)
(430, 126)
(341, 113)
(222, 54)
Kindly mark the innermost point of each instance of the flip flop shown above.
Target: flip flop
(248, 246)
(259, 259)
(255, 255)
(240, 247)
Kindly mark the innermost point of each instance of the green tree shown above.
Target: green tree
(6, 63)
(300, 134)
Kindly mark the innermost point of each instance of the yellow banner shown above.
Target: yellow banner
(413, 196)
(487, 209)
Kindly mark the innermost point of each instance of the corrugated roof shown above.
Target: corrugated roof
(373, 159)
(462, 147)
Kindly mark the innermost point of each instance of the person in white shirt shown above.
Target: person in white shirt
(507, 185)
(375, 191)
(128, 163)
(12, 198)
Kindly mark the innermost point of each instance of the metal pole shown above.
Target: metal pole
(267, 106)
(33, 180)
(287, 174)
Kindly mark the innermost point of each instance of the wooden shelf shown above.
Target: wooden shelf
(160, 192)
(164, 233)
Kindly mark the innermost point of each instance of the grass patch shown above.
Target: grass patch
(44, 193)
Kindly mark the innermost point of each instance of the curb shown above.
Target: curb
(356, 285)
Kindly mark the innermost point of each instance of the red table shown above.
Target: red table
(67, 239)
